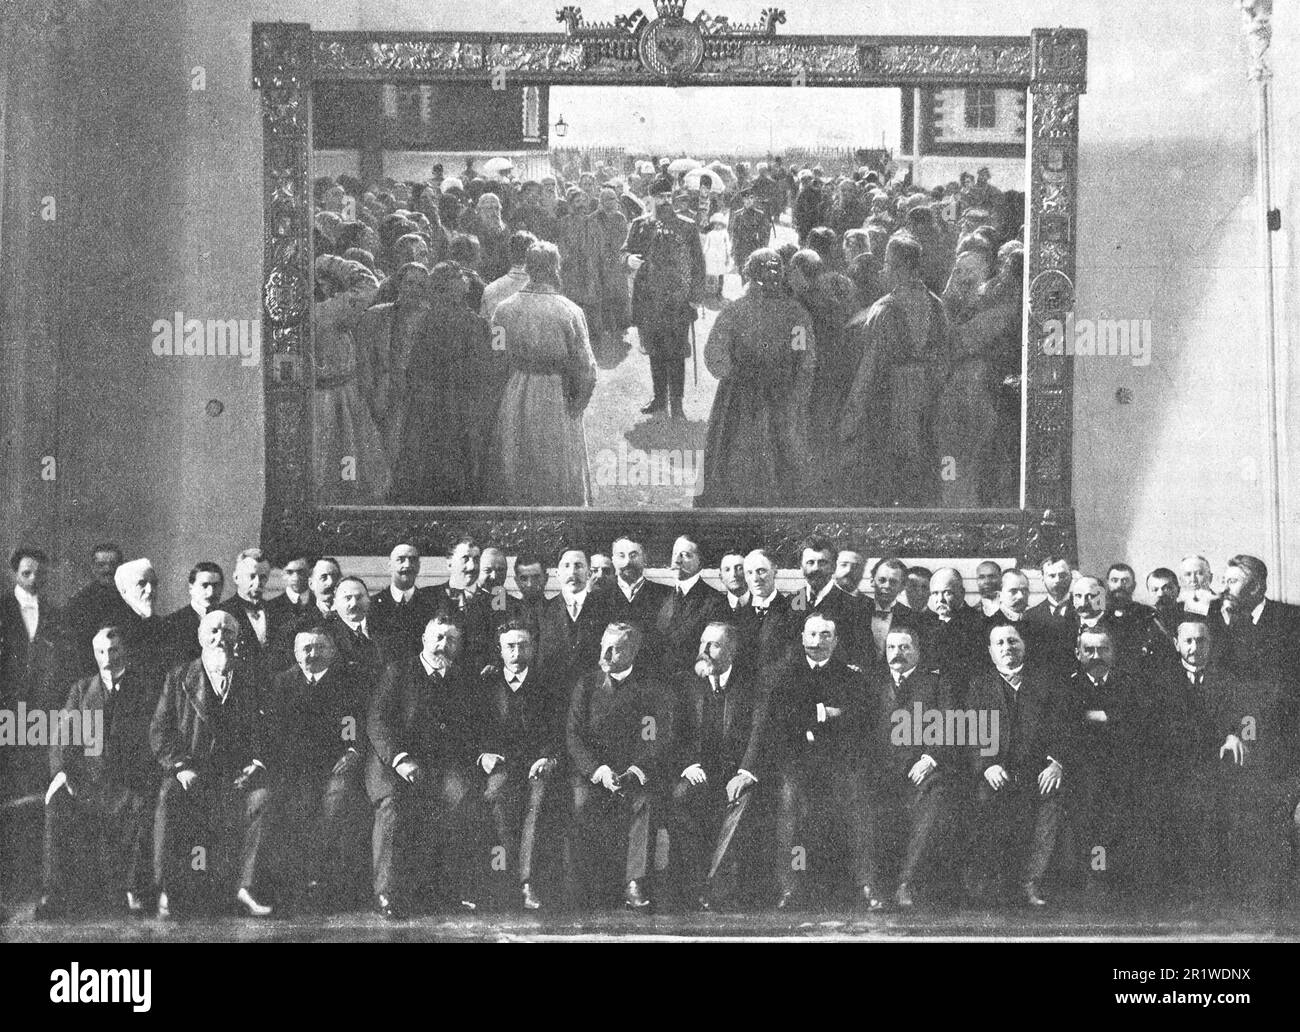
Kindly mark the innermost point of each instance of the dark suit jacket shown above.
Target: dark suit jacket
(477, 618)
(525, 725)
(91, 608)
(30, 668)
(430, 718)
(1056, 633)
(277, 652)
(364, 659)
(286, 612)
(791, 694)
(1116, 742)
(1269, 649)
(312, 726)
(124, 761)
(679, 623)
(399, 628)
(895, 737)
(642, 612)
(737, 711)
(901, 616)
(957, 649)
(609, 723)
(191, 729)
(1032, 724)
(178, 638)
(570, 648)
(852, 618)
(767, 639)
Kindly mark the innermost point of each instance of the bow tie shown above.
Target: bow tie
(256, 607)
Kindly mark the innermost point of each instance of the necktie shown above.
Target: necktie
(716, 683)
(573, 611)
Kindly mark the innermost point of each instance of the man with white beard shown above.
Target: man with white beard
(207, 734)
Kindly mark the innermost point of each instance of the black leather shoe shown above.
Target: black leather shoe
(789, 900)
(531, 902)
(867, 899)
(386, 907)
(655, 406)
(904, 895)
(1032, 898)
(634, 898)
(50, 908)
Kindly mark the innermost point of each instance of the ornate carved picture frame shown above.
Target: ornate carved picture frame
(288, 58)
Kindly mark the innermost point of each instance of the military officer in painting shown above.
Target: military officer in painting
(665, 250)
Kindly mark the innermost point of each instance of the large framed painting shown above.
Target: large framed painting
(738, 340)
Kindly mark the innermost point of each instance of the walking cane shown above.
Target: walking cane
(695, 361)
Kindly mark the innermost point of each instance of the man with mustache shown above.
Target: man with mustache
(718, 738)
(317, 716)
(690, 607)
(1017, 810)
(400, 611)
(664, 249)
(208, 734)
(521, 730)
(951, 630)
(137, 584)
(888, 610)
(420, 775)
(1107, 711)
(101, 793)
(850, 566)
(619, 732)
(323, 582)
(602, 573)
(265, 636)
(1054, 617)
(820, 594)
(572, 623)
(349, 627)
(813, 713)
(911, 781)
(988, 579)
(634, 599)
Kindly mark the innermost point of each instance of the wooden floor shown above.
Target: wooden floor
(921, 925)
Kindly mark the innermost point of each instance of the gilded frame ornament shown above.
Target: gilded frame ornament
(1051, 64)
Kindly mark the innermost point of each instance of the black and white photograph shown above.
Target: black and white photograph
(517, 472)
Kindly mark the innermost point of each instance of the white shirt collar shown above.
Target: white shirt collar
(428, 667)
(201, 613)
(684, 586)
(399, 595)
(763, 603)
(900, 678)
(522, 675)
(359, 628)
(814, 602)
(622, 675)
(990, 605)
(630, 590)
(1258, 611)
(580, 598)
(813, 664)
(737, 601)
(25, 598)
(294, 597)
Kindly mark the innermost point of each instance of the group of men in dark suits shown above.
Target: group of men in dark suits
(792, 744)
